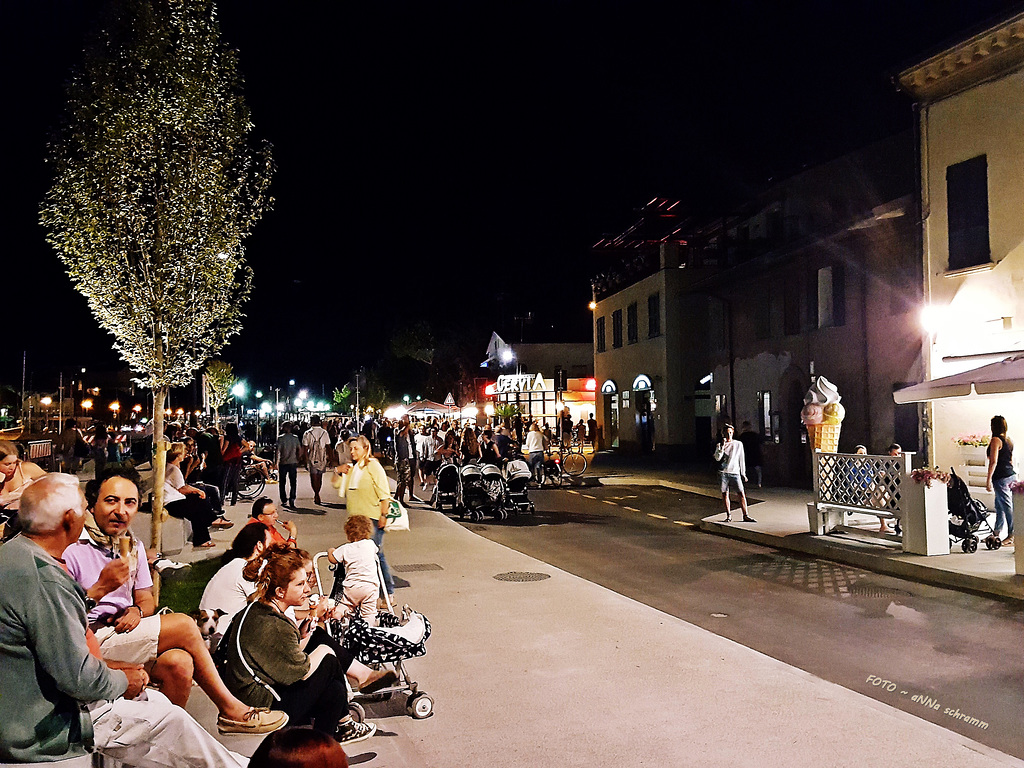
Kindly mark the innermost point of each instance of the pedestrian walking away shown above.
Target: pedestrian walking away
(287, 460)
(317, 443)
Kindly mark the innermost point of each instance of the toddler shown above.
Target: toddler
(361, 585)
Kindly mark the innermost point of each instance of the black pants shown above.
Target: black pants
(198, 512)
(287, 472)
(322, 698)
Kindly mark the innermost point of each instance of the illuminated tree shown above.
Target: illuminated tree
(156, 184)
(220, 378)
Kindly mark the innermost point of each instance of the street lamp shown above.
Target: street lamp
(87, 406)
(115, 408)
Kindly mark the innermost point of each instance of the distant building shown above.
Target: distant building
(817, 276)
(970, 102)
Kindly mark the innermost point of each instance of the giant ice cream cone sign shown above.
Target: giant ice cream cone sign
(823, 415)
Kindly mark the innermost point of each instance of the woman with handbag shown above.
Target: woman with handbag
(366, 492)
(270, 660)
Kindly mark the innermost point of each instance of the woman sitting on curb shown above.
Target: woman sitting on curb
(270, 660)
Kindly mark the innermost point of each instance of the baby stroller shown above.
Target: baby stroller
(475, 499)
(392, 642)
(517, 478)
(494, 486)
(447, 488)
(967, 516)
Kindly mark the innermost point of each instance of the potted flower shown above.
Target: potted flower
(973, 448)
(928, 474)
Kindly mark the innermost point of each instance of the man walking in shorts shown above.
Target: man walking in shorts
(732, 470)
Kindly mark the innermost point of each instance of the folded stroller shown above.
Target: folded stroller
(392, 642)
(967, 516)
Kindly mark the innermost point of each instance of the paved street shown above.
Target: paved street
(838, 622)
(532, 665)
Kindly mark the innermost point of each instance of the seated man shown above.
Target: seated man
(264, 513)
(56, 690)
(121, 607)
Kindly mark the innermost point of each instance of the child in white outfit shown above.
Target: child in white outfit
(361, 585)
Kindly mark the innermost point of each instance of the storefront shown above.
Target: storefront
(537, 398)
(617, 407)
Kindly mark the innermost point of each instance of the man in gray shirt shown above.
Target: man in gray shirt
(58, 696)
(287, 463)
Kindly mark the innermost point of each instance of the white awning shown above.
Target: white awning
(1000, 378)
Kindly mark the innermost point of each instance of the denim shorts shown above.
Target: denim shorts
(729, 479)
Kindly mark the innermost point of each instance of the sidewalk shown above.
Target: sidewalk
(781, 515)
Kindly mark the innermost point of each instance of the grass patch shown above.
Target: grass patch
(182, 593)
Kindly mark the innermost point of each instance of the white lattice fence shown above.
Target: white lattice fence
(871, 483)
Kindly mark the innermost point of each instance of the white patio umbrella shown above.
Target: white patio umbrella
(994, 379)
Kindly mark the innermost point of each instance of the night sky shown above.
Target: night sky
(457, 161)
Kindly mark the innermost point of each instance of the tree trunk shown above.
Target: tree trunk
(159, 473)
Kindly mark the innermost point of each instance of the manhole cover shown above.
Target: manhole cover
(522, 576)
(410, 568)
(867, 590)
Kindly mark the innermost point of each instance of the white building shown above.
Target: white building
(970, 100)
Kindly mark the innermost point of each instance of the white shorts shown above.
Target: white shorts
(135, 647)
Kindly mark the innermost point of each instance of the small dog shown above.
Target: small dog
(207, 622)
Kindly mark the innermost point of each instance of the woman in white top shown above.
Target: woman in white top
(534, 450)
(188, 503)
(227, 591)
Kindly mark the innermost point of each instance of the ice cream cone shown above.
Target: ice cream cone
(824, 437)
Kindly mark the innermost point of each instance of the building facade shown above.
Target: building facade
(819, 275)
(970, 105)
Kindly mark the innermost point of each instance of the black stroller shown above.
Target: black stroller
(448, 487)
(967, 516)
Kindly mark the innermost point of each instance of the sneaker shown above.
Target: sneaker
(163, 565)
(256, 720)
(1008, 541)
(350, 731)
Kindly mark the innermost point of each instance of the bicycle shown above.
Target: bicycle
(574, 462)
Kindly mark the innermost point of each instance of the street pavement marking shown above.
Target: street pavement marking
(660, 517)
(609, 502)
(572, 491)
(587, 496)
(683, 522)
(631, 509)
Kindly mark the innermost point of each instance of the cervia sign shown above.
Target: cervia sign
(520, 382)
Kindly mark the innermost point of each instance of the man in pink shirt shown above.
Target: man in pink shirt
(111, 566)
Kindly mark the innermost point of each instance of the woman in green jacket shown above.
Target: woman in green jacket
(271, 660)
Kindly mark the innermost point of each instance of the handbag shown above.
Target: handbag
(397, 518)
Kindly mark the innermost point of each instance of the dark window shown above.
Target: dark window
(811, 296)
(599, 334)
(967, 210)
(632, 334)
(775, 225)
(617, 328)
(763, 315)
(791, 307)
(653, 315)
(831, 296)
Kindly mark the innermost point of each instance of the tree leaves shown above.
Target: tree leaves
(157, 183)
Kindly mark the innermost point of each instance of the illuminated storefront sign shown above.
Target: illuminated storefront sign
(641, 383)
(522, 382)
(609, 387)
